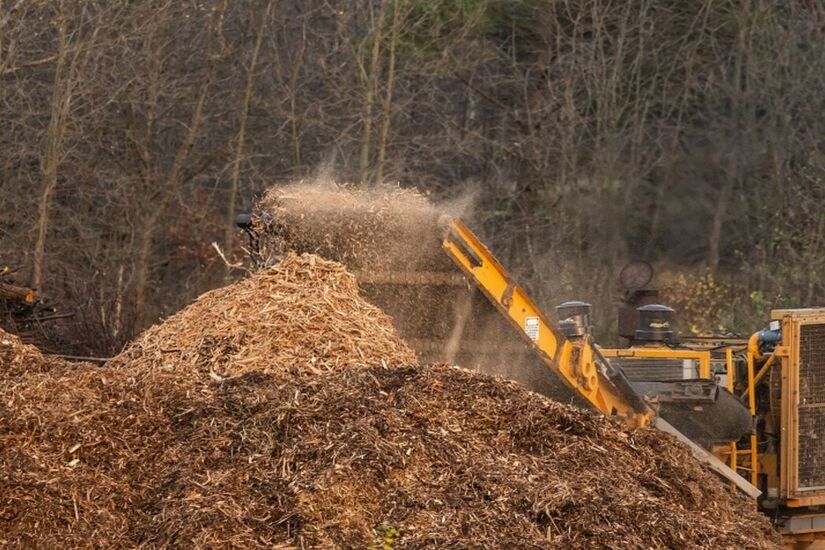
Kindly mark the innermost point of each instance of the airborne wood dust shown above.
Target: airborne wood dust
(284, 412)
(383, 229)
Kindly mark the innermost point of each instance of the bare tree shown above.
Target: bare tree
(164, 188)
(241, 139)
(589, 132)
(71, 57)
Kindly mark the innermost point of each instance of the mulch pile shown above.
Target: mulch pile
(301, 315)
(18, 358)
(284, 412)
(390, 238)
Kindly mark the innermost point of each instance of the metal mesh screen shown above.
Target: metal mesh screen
(652, 370)
(811, 445)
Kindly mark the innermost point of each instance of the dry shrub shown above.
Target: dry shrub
(704, 304)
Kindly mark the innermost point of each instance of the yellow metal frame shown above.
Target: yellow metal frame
(704, 358)
(753, 452)
(792, 323)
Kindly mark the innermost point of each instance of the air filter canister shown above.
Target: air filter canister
(574, 319)
(655, 323)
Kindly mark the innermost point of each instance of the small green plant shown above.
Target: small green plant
(758, 300)
(388, 534)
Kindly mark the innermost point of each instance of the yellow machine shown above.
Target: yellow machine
(780, 374)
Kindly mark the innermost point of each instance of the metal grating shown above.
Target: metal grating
(811, 445)
(654, 370)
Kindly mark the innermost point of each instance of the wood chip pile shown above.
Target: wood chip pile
(302, 315)
(390, 238)
(17, 358)
(284, 412)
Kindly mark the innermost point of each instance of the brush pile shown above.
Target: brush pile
(284, 412)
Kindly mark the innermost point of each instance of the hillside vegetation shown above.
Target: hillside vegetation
(588, 133)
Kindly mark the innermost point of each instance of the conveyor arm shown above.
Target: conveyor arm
(579, 363)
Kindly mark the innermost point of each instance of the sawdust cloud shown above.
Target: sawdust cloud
(391, 238)
(364, 227)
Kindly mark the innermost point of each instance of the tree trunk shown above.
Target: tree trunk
(61, 98)
(715, 237)
(172, 179)
(142, 282)
(370, 90)
(387, 107)
(293, 98)
(239, 150)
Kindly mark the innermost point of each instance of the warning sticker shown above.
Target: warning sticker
(531, 327)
